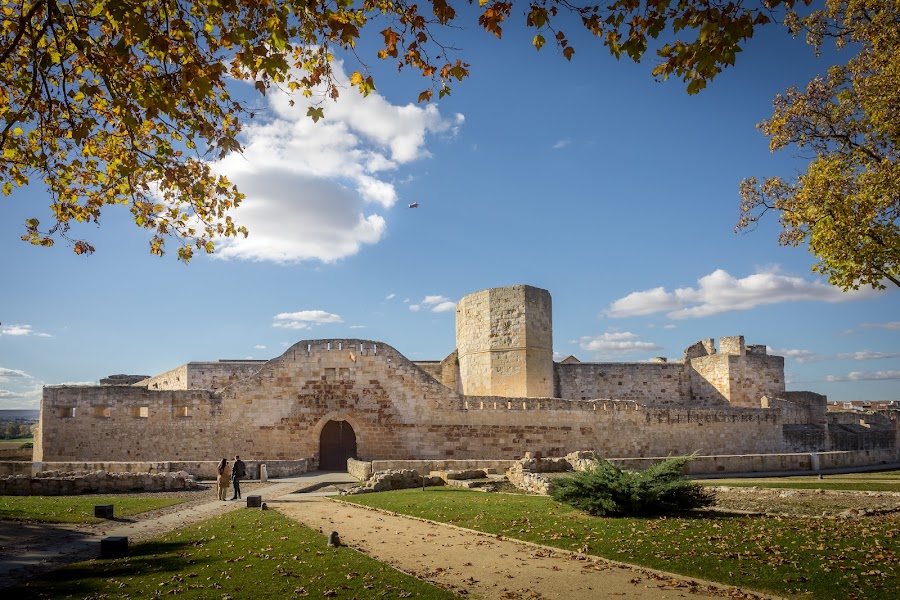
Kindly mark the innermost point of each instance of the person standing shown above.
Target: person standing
(223, 476)
(237, 472)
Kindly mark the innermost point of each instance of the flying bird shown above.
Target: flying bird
(414, 205)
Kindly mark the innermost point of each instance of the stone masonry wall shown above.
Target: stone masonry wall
(504, 342)
(204, 375)
(647, 383)
(753, 376)
(740, 380)
(395, 409)
(98, 482)
(131, 423)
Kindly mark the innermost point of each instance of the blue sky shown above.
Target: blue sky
(616, 193)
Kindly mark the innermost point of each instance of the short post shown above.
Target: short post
(254, 501)
(115, 546)
(263, 473)
(103, 511)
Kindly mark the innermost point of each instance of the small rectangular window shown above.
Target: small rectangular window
(182, 411)
(141, 412)
(102, 412)
(344, 373)
(329, 374)
(66, 412)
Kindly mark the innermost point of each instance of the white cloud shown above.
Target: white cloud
(318, 191)
(616, 344)
(867, 355)
(799, 355)
(358, 326)
(435, 303)
(444, 307)
(304, 318)
(259, 347)
(720, 292)
(891, 325)
(21, 330)
(390, 296)
(562, 144)
(8, 374)
(22, 390)
(865, 376)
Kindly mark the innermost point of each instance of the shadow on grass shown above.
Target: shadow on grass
(89, 578)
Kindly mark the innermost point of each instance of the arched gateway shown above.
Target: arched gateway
(337, 443)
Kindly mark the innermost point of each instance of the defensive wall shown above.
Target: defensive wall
(497, 396)
(397, 412)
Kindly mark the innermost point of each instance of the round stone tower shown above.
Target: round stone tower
(504, 341)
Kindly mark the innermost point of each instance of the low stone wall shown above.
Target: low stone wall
(427, 466)
(762, 463)
(56, 483)
(533, 483)
(402, 479)
(197, 469)
(359, 469)
(16, 454)
(528, 473)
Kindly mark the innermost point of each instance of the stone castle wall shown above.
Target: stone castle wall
(397, 412)
(497, 396)
(203, 375)
(648, 383)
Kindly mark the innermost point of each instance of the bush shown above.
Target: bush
(606, 490)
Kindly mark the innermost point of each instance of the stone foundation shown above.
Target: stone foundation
(197, 469)
(56, 483)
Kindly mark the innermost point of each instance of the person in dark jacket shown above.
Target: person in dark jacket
(238, 470)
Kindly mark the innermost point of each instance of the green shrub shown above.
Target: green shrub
(605, 489)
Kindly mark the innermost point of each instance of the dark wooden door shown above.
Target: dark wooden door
(337, 443)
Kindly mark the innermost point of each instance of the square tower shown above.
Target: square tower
(504, 339)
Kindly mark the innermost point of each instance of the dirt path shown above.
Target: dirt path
(483, 566)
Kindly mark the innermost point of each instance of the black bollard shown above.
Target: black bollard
(115, 546)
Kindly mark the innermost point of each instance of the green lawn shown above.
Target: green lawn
(816, 558)
(241, 554)
(75, 509)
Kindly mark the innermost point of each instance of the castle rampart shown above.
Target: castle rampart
(324, 401)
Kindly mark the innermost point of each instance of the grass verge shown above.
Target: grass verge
(882, 481)
(848, 486)
(817, 558)
(75, 509)
(241, 554)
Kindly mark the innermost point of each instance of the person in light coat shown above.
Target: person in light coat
(223, 479)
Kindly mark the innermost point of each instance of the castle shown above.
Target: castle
(498, 395)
